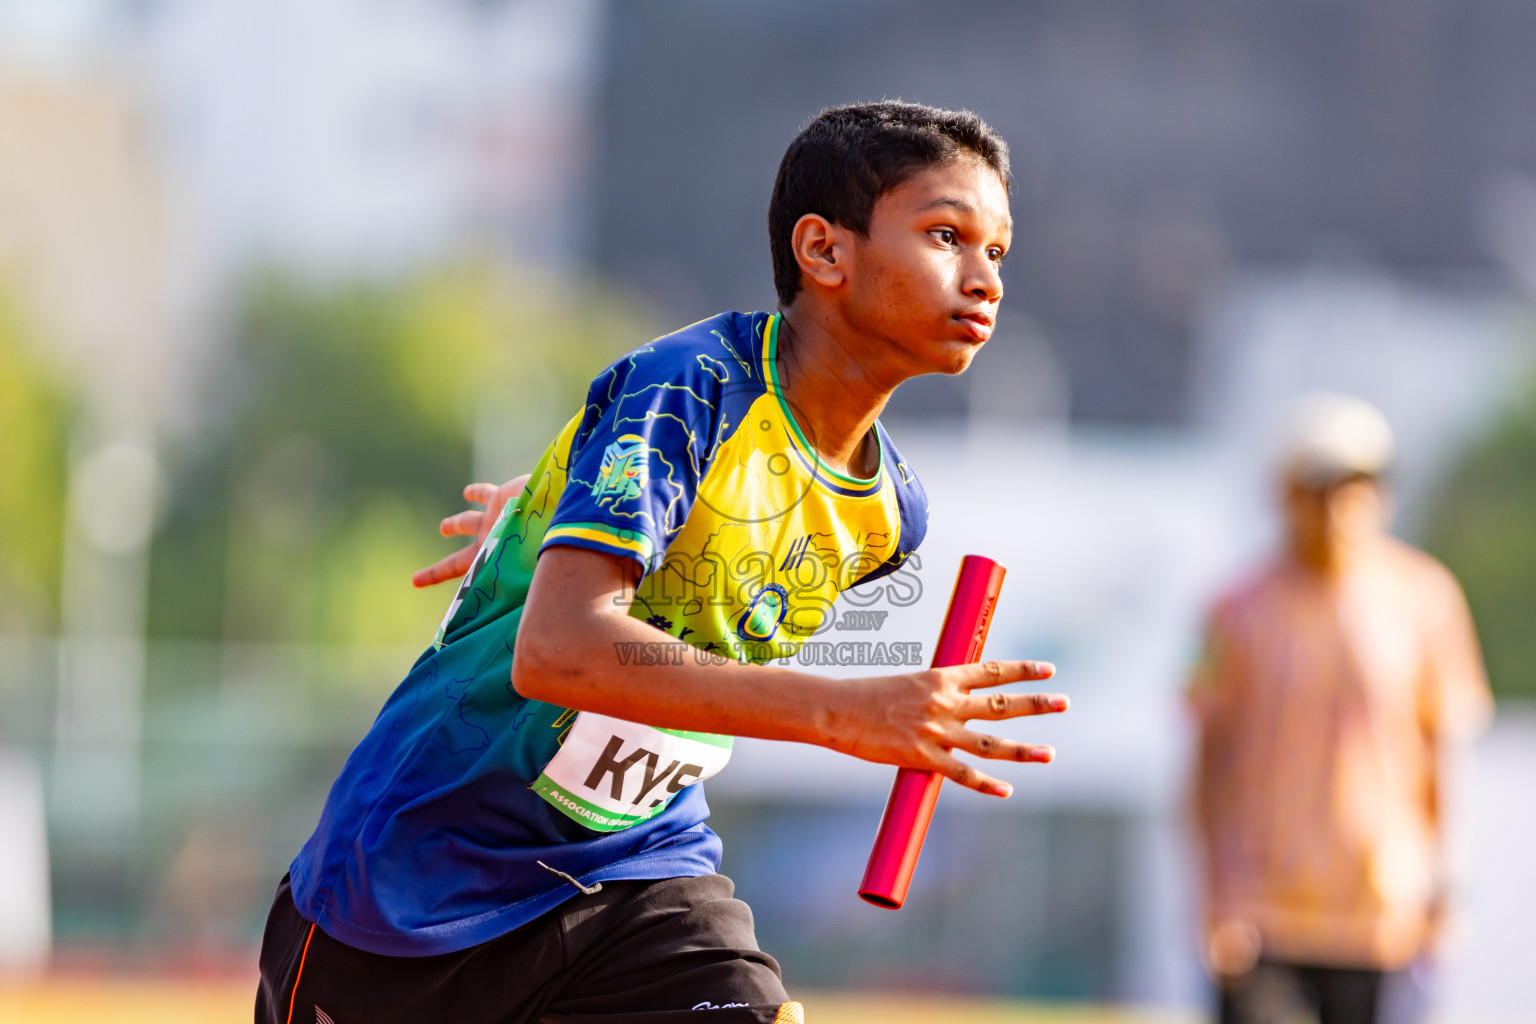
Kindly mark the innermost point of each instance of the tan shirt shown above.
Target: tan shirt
(1326, 710)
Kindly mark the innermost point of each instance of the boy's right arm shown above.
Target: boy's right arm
(577, 617)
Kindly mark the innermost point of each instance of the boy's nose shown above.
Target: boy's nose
(985, 284)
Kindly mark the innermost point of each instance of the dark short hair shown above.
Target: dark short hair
(848, 157)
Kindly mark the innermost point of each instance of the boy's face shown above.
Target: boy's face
(924, 286)
(1326, 525)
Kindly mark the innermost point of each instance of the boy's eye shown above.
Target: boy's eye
(996, 255)
(945, 235)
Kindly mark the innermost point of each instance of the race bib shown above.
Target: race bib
(611, 774)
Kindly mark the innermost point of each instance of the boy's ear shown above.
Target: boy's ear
(823, 250)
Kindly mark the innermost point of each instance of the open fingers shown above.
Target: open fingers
(997, 706)
(956, 770)
(449, 568)
(998, 749)
(480, 492)
(464, 524)
(997, 673)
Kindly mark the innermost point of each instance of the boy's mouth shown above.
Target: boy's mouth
(978, 324)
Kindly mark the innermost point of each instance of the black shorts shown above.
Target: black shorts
(642, 952)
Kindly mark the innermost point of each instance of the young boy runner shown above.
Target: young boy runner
(508, 843)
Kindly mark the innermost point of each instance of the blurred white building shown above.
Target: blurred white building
(370, 134)
(25, 925)
(345, 135)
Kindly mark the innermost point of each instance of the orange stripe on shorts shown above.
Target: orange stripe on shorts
(305, 955)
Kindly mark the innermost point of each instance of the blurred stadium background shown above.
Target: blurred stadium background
(277, 277)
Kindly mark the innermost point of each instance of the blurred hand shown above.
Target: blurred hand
(476, 523)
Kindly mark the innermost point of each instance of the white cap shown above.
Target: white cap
(1332, 437)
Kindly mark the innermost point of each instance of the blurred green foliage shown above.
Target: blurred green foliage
(1484, 528)
(343, 427)
(34, 430)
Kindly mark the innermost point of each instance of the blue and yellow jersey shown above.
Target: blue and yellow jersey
(688, 459)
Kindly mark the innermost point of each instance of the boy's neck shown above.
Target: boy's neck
(831, 390)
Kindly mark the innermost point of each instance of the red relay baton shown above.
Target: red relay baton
(915, 793)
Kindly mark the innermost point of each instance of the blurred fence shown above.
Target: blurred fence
(1042, 898)
(1020, 904)
(241, 742)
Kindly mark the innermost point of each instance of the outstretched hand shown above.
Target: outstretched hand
(919, 720)
(476, 523)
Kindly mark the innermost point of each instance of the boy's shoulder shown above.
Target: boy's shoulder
(725, 349)
(684, 386)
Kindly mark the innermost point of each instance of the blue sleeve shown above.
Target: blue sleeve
(638, 455)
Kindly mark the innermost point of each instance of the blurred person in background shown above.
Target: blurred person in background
(1334, 686)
